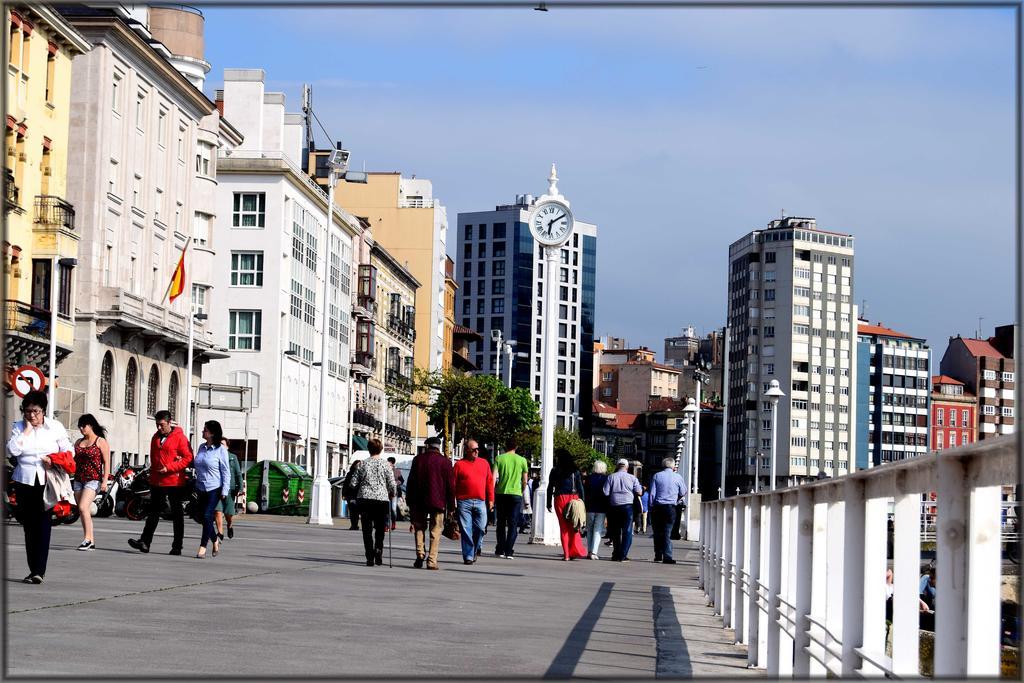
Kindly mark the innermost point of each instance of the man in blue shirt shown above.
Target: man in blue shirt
(622, 488)
(667, 489)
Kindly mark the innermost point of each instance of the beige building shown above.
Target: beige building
(42, 235)
(629, 379)
(411, 225)
(393, 341)
(450, 287)
(144, 139)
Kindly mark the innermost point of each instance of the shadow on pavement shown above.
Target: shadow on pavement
(575, 644)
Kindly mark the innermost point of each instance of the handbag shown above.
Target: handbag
(451, 528)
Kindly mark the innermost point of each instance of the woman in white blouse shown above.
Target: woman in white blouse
(33, 440)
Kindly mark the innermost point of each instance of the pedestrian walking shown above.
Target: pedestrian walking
(430, 494)
(375, 487)
(565, 484)
(642, 506)
(511, 472)
(169, 455)
(33, 440)
(597, 506)
(622, 488)
(213, 482)
(474, 496)
(92, 465)
(348, 489)
(225, 510)
(667, 489)
(399, 483)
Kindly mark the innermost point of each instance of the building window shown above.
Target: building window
(988, 374)
(51, 62)
(131, 376)
(250, 210)
(1007, 412)
(499, 268)
(498, 287)
(247, 269)
(115, 103)
(497, 305)
(499, 249)
(199, 299)
(244, 330)
(964, 418)
(769, 295)
(1007, 376)
(172, 396)
(106, 379)
(769, 257)
(963, 439)
(151, 392)
(205, 157)
(64, 289)
(202, 229)
(940, 415)
(140, 111)
(988, 410)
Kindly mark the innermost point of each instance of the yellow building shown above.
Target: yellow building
(450, 285)
(411, 225)
(42, 239)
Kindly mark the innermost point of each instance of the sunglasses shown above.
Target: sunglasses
(473, 450)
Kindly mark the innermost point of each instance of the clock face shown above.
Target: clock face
(551, 222)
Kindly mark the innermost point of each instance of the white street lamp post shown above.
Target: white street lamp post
(280, 400)
(690, 411)
(496, 337)
(773, 394)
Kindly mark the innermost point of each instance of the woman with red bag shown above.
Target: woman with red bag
(33, 440)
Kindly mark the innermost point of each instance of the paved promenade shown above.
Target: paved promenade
(286, 599)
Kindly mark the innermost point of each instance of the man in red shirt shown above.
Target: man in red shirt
(474, 496)
(169, 455)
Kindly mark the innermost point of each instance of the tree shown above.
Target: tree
(582, 452)
(470, 406)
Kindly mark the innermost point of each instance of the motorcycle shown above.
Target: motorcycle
(111, 501)
(138, 496)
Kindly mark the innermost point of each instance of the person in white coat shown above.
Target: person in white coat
(33, 440)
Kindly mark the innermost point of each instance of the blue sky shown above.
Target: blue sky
(678, 131)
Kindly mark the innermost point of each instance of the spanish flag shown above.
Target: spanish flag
(177, 285)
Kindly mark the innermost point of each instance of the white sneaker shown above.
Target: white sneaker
(86, 545)
(594, 556)
(509, 557)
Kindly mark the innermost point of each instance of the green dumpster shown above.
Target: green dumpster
(279, 488)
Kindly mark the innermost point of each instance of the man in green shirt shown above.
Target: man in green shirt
(511, 471)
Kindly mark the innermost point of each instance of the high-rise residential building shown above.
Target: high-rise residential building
(275, 249)
(791, 319)
(630, 379)
(411, 225)
(953, 414)
(987, 369)
(144, 140)
(42, 236)
(501, 281)
(892, 395)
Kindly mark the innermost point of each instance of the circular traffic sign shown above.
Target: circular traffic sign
(28, 378)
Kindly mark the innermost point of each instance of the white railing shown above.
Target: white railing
(816, 557)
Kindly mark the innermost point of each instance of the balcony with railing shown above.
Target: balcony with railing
(12, 193)
(800, 573)
(27, 335)
(365, 418)
(52, 212)
(398, 326)
(394, 377)
(363, 364)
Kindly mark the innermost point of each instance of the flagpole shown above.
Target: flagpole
(188, 375)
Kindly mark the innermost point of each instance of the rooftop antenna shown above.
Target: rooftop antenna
(307, 116)
(977, 332)
(782, 213)
(863, 309)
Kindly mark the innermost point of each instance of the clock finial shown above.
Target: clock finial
(553, 181)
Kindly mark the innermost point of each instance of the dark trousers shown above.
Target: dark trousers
(157, 496)
(353, 515)
(375, 516)
(622, 536)
(208, 500)
(36, 523)
(675, 524)
(508, 508)
(663, 516)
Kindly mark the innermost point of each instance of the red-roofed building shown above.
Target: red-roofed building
(953, 414)
(630, 379)
(988, 371)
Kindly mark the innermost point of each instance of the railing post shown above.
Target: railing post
(968, 572)
(906, 563)
(727, 545)
(742, 525)
(852, 611)
(762, 613)
(715, 550)
(819, 567)
(875, 546)
(754, 570)
(801, 558)
(703, 548)
(786, 520)
(834, 555)
(774, 581)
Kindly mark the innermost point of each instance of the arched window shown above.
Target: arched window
(106, 379)
(172, 396)
(130, 378)
(154, 387)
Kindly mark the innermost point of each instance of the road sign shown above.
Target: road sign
(28, 378)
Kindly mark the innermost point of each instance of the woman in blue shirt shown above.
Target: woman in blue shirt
(213, 480)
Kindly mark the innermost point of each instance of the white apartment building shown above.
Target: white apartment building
(501, 279)
(140, 132)
(792, 319)
(271, 243)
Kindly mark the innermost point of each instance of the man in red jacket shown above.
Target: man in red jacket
(430, 495)
(169, 455)
(474, 495)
